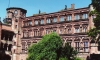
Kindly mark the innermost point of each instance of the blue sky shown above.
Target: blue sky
(48, 6)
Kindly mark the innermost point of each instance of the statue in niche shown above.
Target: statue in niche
(81, 47)
(80, 29)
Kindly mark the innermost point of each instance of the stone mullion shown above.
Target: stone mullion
(58, 19)
(34, 33)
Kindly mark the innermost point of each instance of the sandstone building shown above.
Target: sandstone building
(21, 31)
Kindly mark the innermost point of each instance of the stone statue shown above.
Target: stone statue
(39, 11)
(65, 7)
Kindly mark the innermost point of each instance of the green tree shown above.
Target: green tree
(46, 49)
(50, 48)
(95, 31)
(68, 52)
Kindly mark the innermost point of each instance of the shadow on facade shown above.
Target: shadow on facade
(4, 56)
(93, 57)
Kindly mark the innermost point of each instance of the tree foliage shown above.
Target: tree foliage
(68, 52)
(93, 32)
(50, 48)
(46, 48)
(96, 5)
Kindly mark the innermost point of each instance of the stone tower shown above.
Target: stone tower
(14, 18)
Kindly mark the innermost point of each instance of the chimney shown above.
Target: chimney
(72, 6)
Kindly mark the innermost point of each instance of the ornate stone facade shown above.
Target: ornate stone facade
(71, 24)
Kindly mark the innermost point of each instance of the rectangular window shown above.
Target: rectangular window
(69, 17)
(85, 16)
(61, 18)
(60, 32)
(36, 22)
(85, 46)
(84, 29)
(77, 46)
(29, 33)
(48, 20)
(23, 45)
(34, 33)
(47, 32)
(55, 19)
(28, 43)
(54, 30)
(42, 22)
(25, 23)
(77, 30)
(77, 17)
(30, 22)
(24, 34)
(69, 31)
